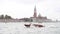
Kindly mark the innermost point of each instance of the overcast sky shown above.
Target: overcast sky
(25, 8)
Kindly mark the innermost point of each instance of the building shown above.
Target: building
(39, 18)
(35, 18)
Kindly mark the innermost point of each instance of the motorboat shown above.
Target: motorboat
(38, 25)
(27, 25)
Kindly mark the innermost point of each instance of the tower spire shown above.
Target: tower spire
(35, 13)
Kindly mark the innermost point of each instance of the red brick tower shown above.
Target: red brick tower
(35, 13)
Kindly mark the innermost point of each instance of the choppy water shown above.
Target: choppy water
(19, 28)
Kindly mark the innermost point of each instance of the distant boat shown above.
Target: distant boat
(38, 25)
(27, 25)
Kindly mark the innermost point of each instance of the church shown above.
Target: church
(38, 18)
(35, 18)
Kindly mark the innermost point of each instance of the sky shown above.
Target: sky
(25, 8)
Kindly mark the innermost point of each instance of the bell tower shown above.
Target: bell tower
(35, 13)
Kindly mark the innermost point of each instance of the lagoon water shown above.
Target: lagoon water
(19, 28)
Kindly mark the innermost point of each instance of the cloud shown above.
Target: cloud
(49, 8)
(24, 8)
(24, 1)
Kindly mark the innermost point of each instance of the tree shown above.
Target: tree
(2, 17)
(8, 17)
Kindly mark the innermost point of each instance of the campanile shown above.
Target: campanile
(35, 13)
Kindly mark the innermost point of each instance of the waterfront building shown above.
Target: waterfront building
(39, 18)
(36, 18)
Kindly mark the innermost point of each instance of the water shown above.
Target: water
(19, 28)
